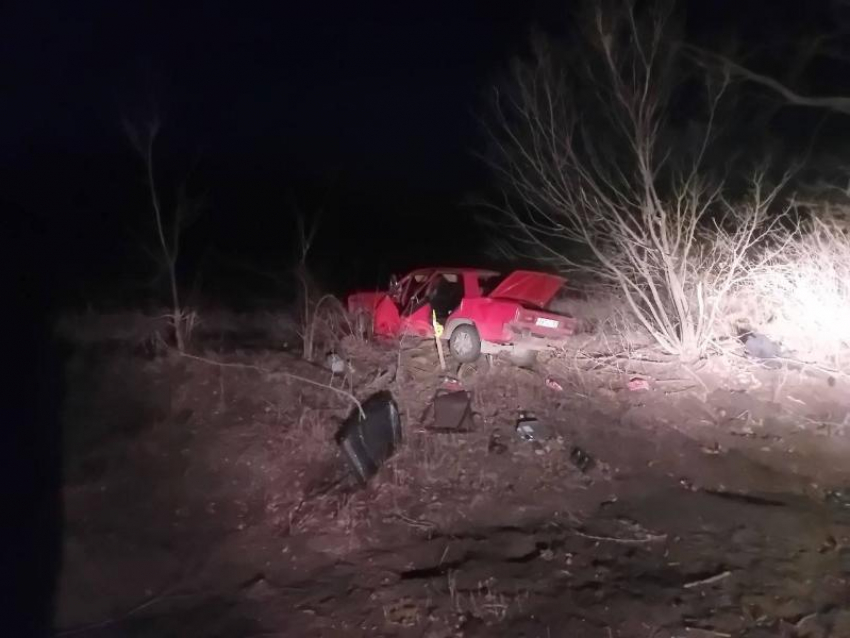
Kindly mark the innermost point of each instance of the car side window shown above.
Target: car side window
(445, 295)
(488, 284)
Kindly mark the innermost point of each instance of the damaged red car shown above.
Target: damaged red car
(481, 311)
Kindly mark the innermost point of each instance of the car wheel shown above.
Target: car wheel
(465, 343)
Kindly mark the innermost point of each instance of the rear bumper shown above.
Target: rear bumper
(538, 337)
(525, 343)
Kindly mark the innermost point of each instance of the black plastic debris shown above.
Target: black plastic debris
(581, 459)
(452, 411)
(530, 428)
(495, 444)
(369, 439)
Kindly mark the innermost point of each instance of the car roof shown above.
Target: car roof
(481, 272)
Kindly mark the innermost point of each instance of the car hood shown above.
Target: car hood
(526, 286)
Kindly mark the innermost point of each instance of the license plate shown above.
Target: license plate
(546, 323)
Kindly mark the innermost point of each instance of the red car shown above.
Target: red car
(481, 312)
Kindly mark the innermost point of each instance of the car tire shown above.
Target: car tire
(465, 343)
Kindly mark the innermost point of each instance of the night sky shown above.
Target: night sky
(368, 112)
(319, 91)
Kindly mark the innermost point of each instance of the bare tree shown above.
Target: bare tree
(834, 103)
(580, 149)
(822, 45)
(168, 228)
(309, 305)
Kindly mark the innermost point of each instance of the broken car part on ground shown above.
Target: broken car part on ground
(371, 435)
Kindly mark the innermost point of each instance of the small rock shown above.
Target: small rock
(581, 459)
(495, 445)
(335, 363)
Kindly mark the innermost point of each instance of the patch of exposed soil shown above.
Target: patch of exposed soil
(211, 501)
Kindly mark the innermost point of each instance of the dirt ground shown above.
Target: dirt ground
(207, 500)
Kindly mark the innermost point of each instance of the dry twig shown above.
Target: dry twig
(649, 538)
(708, 581)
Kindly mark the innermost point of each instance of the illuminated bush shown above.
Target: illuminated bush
(802, 296)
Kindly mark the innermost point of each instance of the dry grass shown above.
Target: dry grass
(595, 310)
(610, 348)
(607, 326)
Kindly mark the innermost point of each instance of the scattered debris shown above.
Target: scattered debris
(581, 459)
(636, 384)
(714, 448)
(452, 412)
(369, 437)
(495, 444)
(450, 383)
(554, 385)
(530, 428)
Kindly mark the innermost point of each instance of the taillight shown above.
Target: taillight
(525, 316)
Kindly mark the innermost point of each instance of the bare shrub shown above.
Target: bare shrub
(323, 318)
(591, 185)
(323, 325)
(169, 229)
